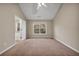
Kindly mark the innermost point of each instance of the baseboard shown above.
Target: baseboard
(7, 48)
(68, 46)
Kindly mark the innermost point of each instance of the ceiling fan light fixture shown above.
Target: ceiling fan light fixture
(43, 4)
(40, 5)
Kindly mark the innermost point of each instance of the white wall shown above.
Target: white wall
(7, 24)
(66, 25)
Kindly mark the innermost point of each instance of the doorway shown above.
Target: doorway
(20, 28)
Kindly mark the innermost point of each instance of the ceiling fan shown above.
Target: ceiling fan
(40, 5)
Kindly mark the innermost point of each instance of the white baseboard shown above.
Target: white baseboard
(69, 46)
(7, 48)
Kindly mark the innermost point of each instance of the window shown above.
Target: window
(39, 28)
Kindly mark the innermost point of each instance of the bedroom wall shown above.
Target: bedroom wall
(66, 25)
(7, 24)
(30, 29)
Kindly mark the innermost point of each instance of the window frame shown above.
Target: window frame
(39, 23)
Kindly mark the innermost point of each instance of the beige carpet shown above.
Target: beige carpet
(40, 47)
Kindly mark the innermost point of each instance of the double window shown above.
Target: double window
(39, 28)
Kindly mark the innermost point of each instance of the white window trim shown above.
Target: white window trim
(39, 24)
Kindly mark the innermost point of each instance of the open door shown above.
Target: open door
(20, 28)
(23, 30)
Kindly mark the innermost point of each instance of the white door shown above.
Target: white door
(23, 30)
(17, 28)
(20, 28)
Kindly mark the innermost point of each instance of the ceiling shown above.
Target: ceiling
(43, 13)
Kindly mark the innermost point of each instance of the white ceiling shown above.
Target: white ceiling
(44, 13)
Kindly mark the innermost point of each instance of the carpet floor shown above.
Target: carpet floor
(40, 47)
